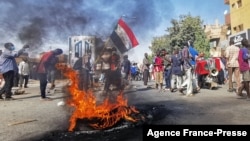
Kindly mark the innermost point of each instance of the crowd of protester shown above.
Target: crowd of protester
(182, 69)
(186, 70)
(17, 74)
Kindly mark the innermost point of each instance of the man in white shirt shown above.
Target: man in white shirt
(24, 72)
(232, 64)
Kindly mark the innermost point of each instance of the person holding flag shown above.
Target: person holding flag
(123, 37)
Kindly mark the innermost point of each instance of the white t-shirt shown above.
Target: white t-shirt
(23, 68)
(151, 67)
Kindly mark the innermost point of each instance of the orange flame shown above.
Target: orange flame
(85, 106)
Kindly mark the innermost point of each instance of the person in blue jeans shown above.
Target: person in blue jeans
(167, 76)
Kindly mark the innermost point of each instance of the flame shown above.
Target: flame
(85, 106)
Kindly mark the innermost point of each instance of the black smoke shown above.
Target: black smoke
(33, 33)
(43, 22)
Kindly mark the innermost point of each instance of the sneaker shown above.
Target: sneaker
(46, 99)
(26, 87)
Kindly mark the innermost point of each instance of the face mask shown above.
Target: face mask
(12, 48)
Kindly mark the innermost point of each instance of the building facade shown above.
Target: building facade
(238, 20)
(84, 45)
(217, 36)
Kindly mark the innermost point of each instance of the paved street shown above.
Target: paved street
(29, 118)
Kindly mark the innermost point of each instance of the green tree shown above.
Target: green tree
(182, 30)
(159, 43)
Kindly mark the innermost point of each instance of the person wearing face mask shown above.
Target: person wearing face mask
(8, 68)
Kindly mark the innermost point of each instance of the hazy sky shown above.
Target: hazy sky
(45, 23)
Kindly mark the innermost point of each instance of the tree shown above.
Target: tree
(182, 30)
(159, 43)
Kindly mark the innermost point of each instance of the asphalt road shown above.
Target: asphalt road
(29, 118)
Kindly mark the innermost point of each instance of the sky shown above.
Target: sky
(46, 24)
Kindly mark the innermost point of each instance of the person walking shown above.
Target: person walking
(243, 59)
(193, 54)
(167, 70)
(42, 70)
(177, 72)
(8, 68)
(232, 64)
(188, 68)
(145, 69)
(158, 69)
(24, 73)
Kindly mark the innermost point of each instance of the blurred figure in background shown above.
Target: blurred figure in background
(24, 73)
(126, 64)
(134, 70)
(145, 69)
